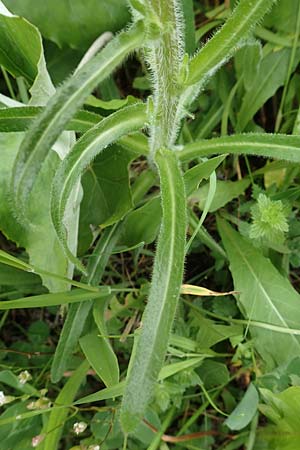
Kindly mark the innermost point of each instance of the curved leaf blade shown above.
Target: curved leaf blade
(278, 146)
(265, 296)
(62, 107)
(109, 130)
(223, 44)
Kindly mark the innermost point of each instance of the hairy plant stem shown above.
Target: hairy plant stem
(164, 56)
(165, 288)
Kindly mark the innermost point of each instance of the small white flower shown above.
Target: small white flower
(79, 427)
(2, 398)
(24, 377)
(94, 447)
(36, 440)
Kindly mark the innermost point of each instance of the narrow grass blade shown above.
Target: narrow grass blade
(54, 427)
(165, 288)
(225, 42)
(62, 107)
(278, 146)
(59, 298)
(20, 119)
(79, 312)
(92, 143)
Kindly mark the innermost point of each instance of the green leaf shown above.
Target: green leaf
(226, 41)
(107, 194)
(225, 192)
(92, 143)
(54, 426)
(272, 74)
(283, 16)
(279, 146)
(61, 108)
(213, 374)
(265, 296)
(10, 379)
(242, 415)
(211, 333)
(142, 224)
(14, 277)
(98, 352)
(20, 118)
(194, 176)
(20, 46)
(161, 307)
(104, 394)
(78, 313)
(59, 298)
(76, 26)
(282, 410)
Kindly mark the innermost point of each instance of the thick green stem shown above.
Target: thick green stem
(164, 56)
(165, 288)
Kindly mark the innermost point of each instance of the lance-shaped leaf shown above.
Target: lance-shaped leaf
(265, 296)
(224, 43)
(78, 313)
(279, 146)
(59, 298)
(62, 107)
(165, 288)
(20, 118)
(109, 130)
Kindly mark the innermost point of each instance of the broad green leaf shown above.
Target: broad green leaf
(77, 25)
(106, 192)
(98, 352)
(194, 176)
(226, 41)
(20, 46)
(278, 146)
(59, 298)
(225, 192)
(211, 333)
(283, 16)
(162, 302)
(213, 373)
(60, 110)
(265, 296)
(272, 74)
(54, 427)
(14, 277)
(90, 145)
(142, 224)
(78, 313)
(242, 415)
(282, 410)
(21, 53)
(17, 434)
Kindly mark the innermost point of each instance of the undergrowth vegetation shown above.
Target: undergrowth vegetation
(149, 218)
